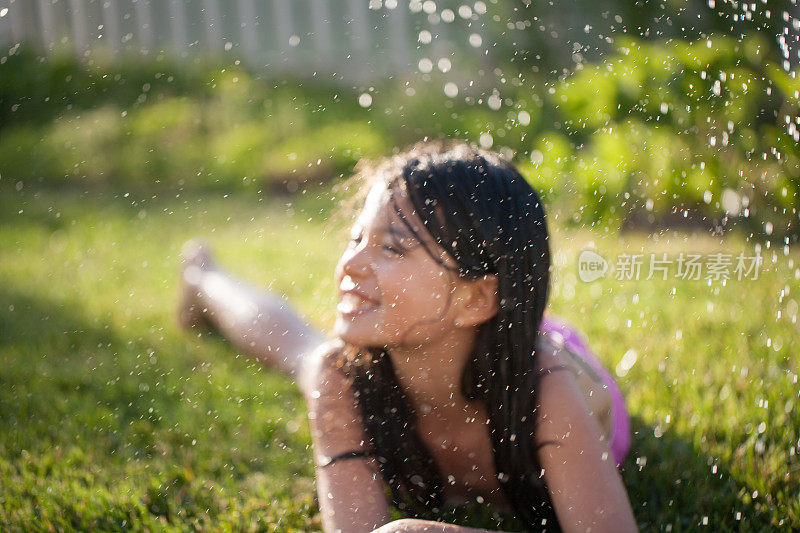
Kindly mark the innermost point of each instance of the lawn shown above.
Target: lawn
(113, 418)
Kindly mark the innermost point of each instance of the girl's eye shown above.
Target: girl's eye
(392, 250)
(355, 240)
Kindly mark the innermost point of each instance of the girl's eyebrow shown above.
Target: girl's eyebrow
(392, 230)
(399, 233)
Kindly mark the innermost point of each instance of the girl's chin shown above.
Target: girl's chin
(345, 329)
(365, 335)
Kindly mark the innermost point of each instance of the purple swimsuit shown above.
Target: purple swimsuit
(564, 334)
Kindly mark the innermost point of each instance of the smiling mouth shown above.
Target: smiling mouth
(353, 304)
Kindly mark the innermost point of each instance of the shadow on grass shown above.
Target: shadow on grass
(674, 488)
(149, 426)
(68, 377)
(30, 322)
(61, 375)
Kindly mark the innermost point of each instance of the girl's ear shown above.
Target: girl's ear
(480, 301)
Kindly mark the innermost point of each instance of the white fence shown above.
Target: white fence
(344, 39)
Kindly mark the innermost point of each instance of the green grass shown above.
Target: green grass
(112, 418)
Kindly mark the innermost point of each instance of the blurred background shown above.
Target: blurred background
(637, 111)
(128, 126)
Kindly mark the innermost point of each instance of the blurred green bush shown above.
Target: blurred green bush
(708, 128)
(217, 127)
(657, 131)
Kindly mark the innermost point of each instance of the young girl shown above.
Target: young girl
(444, 381)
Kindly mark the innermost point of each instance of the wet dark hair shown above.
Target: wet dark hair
(489, 220)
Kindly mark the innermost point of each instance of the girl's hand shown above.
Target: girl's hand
(410, 525)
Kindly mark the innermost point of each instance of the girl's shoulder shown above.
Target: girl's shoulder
(563, 349)
(326, 356)
(318, 361)
(549, 355)
(334, 414)
(329, 351)
(565, 367)
(330, 379)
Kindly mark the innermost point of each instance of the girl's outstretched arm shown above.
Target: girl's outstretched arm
(585, 487)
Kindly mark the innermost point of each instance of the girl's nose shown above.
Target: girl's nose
(355, 262)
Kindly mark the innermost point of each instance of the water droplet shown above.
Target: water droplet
(626, 363)
(365, 100)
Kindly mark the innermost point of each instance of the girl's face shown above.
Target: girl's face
(391, 292)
